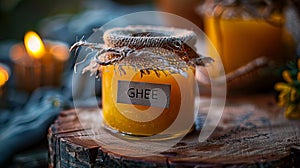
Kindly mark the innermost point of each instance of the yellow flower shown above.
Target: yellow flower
(282, 100)
(287, 76)
(293, 95)
(289, 96)
(280, 86)
(292, 111)
(285, 89)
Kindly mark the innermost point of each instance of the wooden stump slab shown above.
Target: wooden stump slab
(252, 133)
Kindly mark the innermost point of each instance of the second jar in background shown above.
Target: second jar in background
(244, 33)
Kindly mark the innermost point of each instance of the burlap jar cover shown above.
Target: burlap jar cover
(146, 48)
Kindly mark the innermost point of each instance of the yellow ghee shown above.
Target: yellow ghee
(132, 118)
(239, 41)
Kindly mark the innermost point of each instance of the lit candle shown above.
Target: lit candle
(4, 76)
(38, 63)
(34, 45)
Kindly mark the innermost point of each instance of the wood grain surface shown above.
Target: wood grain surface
(252, 133)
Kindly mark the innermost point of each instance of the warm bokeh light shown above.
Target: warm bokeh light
(34, 45)
(59, 52)
(3, 76)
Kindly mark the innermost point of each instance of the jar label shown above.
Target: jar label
(145, 94)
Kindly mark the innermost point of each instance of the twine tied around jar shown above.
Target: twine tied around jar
(145, 49)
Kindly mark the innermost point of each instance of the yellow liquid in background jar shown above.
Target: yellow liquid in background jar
(240, 41)
(115, 114)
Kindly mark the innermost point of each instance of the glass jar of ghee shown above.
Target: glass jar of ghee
(152, 89)
(251, 39)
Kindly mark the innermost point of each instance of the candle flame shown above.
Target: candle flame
(34, 45)
(3, 76)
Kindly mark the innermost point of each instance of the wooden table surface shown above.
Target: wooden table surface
(252, 133)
